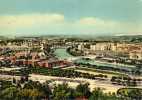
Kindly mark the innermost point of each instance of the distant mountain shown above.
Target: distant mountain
(3, 37)
(123, 38)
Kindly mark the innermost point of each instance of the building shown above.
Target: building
(80, 47)
(137, 55)
(101, 46)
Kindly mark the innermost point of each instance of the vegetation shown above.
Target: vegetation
(130, 93)
(126, 81)
(71, 73)
(34, 90)
(63, 92)
(31, 90)
(66, 73)
(98, 94)
(82, 90)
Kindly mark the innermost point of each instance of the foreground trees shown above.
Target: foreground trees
(98, 94)
(82, 90)
(30, 94)
(130, 93)
(27, 91)
(63, 92)
(45, 91)
(9, 93)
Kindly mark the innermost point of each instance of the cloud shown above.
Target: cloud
(56, 23)
(93, 21)
(98, 25)
(12, 24)
(30, 19)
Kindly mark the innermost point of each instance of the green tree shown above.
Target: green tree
(9, 93)
(30, 94)
(46, 90)
(130, 93)
(63, 92)
(97, 94)
(83, 90)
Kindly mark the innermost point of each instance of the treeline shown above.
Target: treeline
(118, 80)
(70, 73)
(125, 81)
(66, 73)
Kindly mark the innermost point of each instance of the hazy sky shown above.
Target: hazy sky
(112, 17)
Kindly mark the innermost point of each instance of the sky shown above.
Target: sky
(70, 17)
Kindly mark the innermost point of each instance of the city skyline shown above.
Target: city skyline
(75, 17)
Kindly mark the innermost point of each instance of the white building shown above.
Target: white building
(135, 55)
(101, 46)
(93, 47)
(80, 47)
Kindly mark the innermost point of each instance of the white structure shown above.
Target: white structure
(80, 47)
(135, 55)
(101, 46)
(93, 47)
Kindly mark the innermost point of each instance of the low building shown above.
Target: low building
(137, 55)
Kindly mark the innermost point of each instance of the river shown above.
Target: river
(62, 54)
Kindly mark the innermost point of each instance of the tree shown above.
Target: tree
(111, 96)
(83, 90)
(97, 94)
(46, 90)
(33, 85)
(130, 93)
(63, 92)
(135, 94)
(14, 80)
(9, 93)
(31, 94)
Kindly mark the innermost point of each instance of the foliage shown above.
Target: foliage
(66, 73)
(83, 90)
(130, 93)
(63, 92)
(42, 91)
